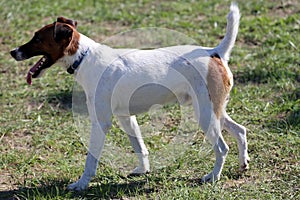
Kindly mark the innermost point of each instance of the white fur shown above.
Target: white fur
(125, 82)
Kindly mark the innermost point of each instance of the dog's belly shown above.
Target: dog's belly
(148, 95)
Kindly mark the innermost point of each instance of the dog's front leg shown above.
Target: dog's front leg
(131, 127)
(89, 171)
(97, 140)
(101, 123)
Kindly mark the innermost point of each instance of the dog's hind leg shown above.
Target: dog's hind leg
(213, 134)
(131, 127)
(221, 149)
(211, 126)
(239, 132)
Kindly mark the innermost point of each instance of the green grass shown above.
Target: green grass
(41, 152)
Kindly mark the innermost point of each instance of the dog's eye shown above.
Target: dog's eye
(37, 40)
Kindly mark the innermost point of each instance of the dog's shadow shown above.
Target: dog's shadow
(101, 188)
(61, 100)
(52, 189)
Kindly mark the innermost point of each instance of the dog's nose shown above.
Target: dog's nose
(17, 54)
(13, 53)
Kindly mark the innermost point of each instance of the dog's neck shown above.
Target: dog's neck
(97, 58)
(72, 68)
(74, 61)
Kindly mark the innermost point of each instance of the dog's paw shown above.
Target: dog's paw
(78, 186)
(139, 171)
(245, 165)
(210, 178)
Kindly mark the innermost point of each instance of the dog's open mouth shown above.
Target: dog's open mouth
(37, 70)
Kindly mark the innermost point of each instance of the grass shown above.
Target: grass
(41, 152)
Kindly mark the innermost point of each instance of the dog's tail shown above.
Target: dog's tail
(226, 45)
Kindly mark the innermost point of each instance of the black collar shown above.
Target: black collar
(77, 62)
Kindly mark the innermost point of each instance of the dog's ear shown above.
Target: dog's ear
(62, 31)
(67, 21)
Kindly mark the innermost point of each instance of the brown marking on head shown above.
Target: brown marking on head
(219, 84)
(66, 34)
(71, 22)
(53, 41)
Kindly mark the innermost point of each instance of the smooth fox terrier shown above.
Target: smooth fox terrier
(126, 82)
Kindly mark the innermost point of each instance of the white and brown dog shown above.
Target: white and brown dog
(125, 82)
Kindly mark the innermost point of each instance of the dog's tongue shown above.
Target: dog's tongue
(29, 78)
(33, 70)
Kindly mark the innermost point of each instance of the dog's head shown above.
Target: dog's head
(53, 41)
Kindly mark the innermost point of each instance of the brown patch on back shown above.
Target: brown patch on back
(218, 83)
